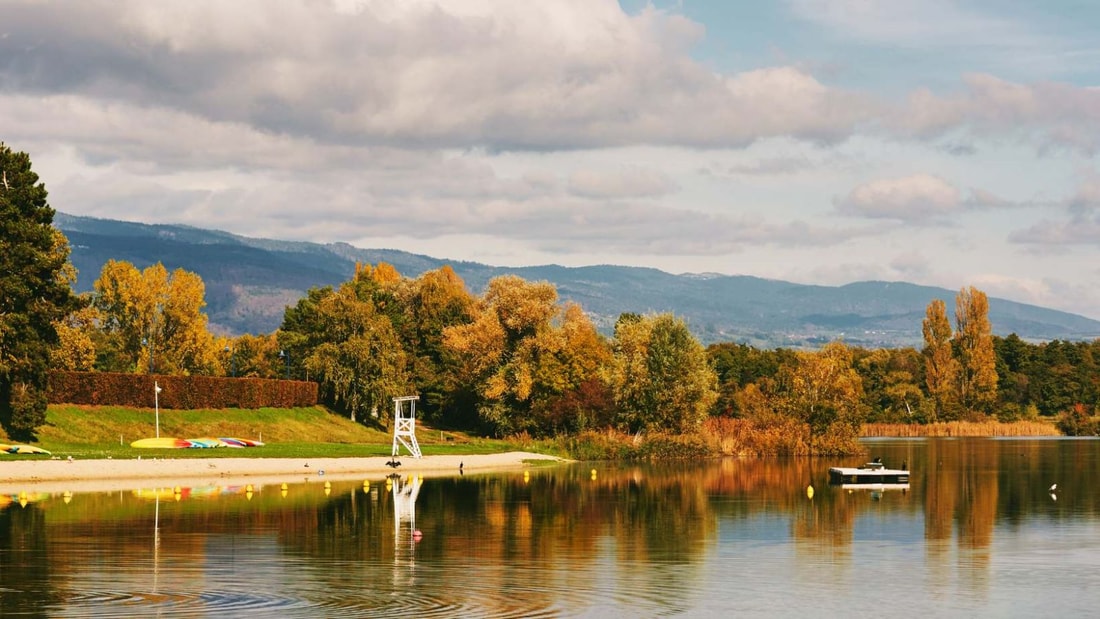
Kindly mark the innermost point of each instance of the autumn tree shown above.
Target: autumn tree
(941, 370)
(890, 384)
(346, 339)
(154, 320)
(251, 356)
(35, 293)
(824, 391)
(662, 377)
(433, 302)
(76, 349)
(977, 380)
(536, 365)
(361, 365)
(493, 352)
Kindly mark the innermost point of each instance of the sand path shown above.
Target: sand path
(122, 474)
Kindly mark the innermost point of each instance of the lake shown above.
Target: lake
(976, 534)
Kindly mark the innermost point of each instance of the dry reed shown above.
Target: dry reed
(961, 428)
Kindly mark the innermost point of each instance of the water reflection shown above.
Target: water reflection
(977, 532)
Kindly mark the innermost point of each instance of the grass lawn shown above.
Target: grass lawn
(107, 431)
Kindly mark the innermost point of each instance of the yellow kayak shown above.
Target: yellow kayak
(22, 449)
(163, 442)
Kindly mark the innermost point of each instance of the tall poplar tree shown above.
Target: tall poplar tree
(941, 370)
(35, 293)
(974, 341)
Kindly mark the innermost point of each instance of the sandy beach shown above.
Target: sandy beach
(119, 474)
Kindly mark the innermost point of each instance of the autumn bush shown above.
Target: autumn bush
(1077, 421)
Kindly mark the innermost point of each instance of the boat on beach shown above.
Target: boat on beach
(871, 476)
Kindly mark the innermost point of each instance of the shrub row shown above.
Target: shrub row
(178, 392)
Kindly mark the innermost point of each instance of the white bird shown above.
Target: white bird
(1053, 487)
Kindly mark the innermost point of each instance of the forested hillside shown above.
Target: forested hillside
(249, 282)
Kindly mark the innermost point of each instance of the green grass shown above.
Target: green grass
(107, 431)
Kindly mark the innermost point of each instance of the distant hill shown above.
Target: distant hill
(249, 282)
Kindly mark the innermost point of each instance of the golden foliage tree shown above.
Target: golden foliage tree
(531, 360)
(155, 320)
(76, 349)
(434, 301)
(824, 391)
(977, 380)
(941, 369)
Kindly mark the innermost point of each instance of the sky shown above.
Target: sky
(938, 142)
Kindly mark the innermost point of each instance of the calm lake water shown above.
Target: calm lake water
(976, 534)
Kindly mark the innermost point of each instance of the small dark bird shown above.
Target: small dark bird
(393, 463)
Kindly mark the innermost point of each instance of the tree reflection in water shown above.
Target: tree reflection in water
(641, 538)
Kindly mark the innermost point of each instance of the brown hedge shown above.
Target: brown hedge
(178, 392)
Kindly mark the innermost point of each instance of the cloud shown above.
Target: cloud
(912, 198)
(498, 75)
(627, 182)
(911, 265)
(772, 166)
(1080, 226)
(916, 199)
(1050, 115)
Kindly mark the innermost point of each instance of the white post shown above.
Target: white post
(156, 404)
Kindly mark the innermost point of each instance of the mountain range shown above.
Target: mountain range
(250, 281)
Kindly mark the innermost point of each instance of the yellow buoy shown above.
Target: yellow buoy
(593, 474)
(248, 488)
(328, 484)
(810, 491)
(366, 484)
(248, 494)
(283, 487)
(526, 476)
(283, 492)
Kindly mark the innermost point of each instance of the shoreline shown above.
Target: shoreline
(117, 474)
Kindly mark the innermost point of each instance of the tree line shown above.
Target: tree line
(512, 360)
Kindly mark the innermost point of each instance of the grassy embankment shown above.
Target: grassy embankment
(107, 431)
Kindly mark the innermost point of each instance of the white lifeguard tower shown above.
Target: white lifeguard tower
(404, 425)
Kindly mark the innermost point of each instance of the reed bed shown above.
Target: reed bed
(961, 428)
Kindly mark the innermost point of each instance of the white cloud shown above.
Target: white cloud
(911, 198)
(1079, 226)
(626, 182)
(1047, 114)
(497, 74)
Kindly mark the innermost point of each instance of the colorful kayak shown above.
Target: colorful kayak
(163, 442)
(241, 442)
(22, 449)
(205, 443)
(192, 443)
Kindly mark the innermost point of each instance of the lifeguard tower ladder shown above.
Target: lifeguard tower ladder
(404, 425)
